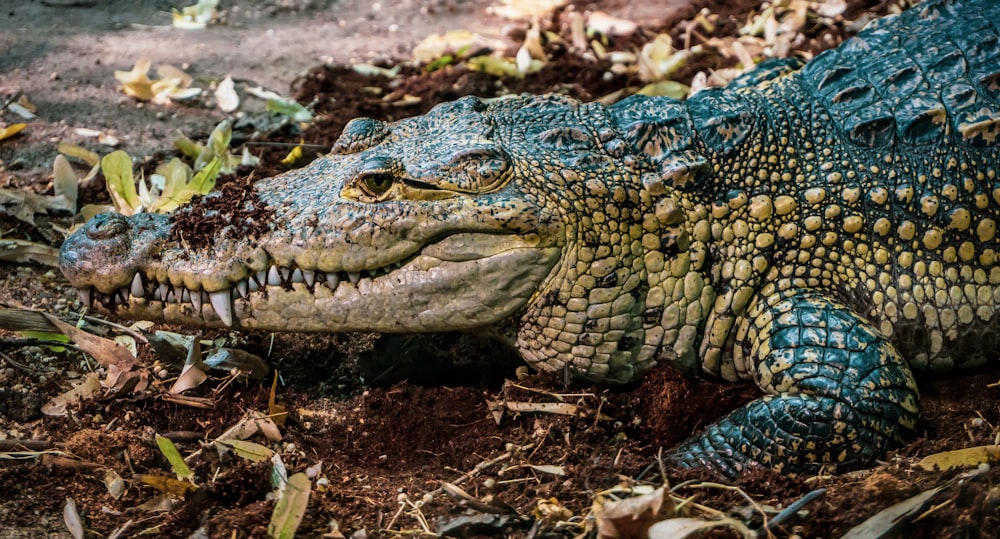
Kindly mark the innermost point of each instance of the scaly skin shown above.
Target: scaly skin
(818, 231)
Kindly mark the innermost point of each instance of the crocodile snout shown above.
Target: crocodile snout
(105, 253)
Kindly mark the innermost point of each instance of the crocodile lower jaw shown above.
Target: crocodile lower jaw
(424, 293)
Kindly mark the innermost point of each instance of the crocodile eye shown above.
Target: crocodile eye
(376, 183)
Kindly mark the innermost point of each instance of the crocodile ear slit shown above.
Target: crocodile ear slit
(679, 170)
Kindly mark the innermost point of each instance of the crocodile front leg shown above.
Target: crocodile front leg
(838, 393)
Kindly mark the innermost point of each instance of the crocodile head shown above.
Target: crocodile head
(469, 216)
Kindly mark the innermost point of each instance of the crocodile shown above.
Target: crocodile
(823, 229)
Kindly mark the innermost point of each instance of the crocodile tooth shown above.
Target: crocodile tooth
(169, 297)
(285, 273)
(156, 294)
(185, 296)
(196, 301)
(222, 302)
(137, 289)
(163, 291)
(354, 276)
(371, 274)
(297, 276)
(252, 284)
(241, 288)
(261, 278)
(309, 276)
(332, 281)
(273, 278)
(84, 296)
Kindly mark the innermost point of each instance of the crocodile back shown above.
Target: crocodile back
(877, 166)
(915, 78)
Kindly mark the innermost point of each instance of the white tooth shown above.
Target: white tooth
(137, 289)
(163, 290)
(170, 297)
(309, 276)
(285, 272)
(241, 288)
(185, 296)
(354, 276)
(196, 301)
(84, 296)
(222, 302)
(371, 273)
(273, 278)
(253, 285)
(261, 278)
(297, 276)
(332, 281)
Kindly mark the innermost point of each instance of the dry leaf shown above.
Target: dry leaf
(88, 388)
(632, 517)
(136, 82)
(225, 95)
(889, 520)
(526, 9)
(608, 25)
(969, 457)
(681, 528)
(11, 130)
(167, 485)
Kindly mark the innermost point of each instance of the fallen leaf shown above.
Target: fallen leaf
(608, 25)
(79, 152)
(680, 528)
(11, 130)
(136, 82)
(167, 485)
(248, 450)
(117, 168)
(632, 517)
(23, 251)
(525, 9)
(961, 458)
(889, 520)
(197, 16)
(173, 456)
(290, 508)
(86, 389)
(64, 180)
(225, 95)
(114, 483)
(457, 43)
(71, 517)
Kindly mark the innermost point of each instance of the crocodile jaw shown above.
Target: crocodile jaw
(424, 295)
(462, 281)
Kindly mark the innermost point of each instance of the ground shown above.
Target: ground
(393, 420)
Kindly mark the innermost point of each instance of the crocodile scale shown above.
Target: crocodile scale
(818, 229)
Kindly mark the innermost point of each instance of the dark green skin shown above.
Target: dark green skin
(819, 230)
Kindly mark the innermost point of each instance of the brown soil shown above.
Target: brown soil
(391, 418)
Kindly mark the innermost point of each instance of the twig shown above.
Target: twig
(794, 508)
(22, 445)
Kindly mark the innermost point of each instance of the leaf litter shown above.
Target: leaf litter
(393, 449)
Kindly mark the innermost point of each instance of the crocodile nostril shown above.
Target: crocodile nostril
(106, 225)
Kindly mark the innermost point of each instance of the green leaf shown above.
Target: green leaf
(175, 459)
(439, 63)
(217, 146)
(188, 147)
(291, 507)
(290, 108)
(204, 180)
(249, 450)
(117, 168)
